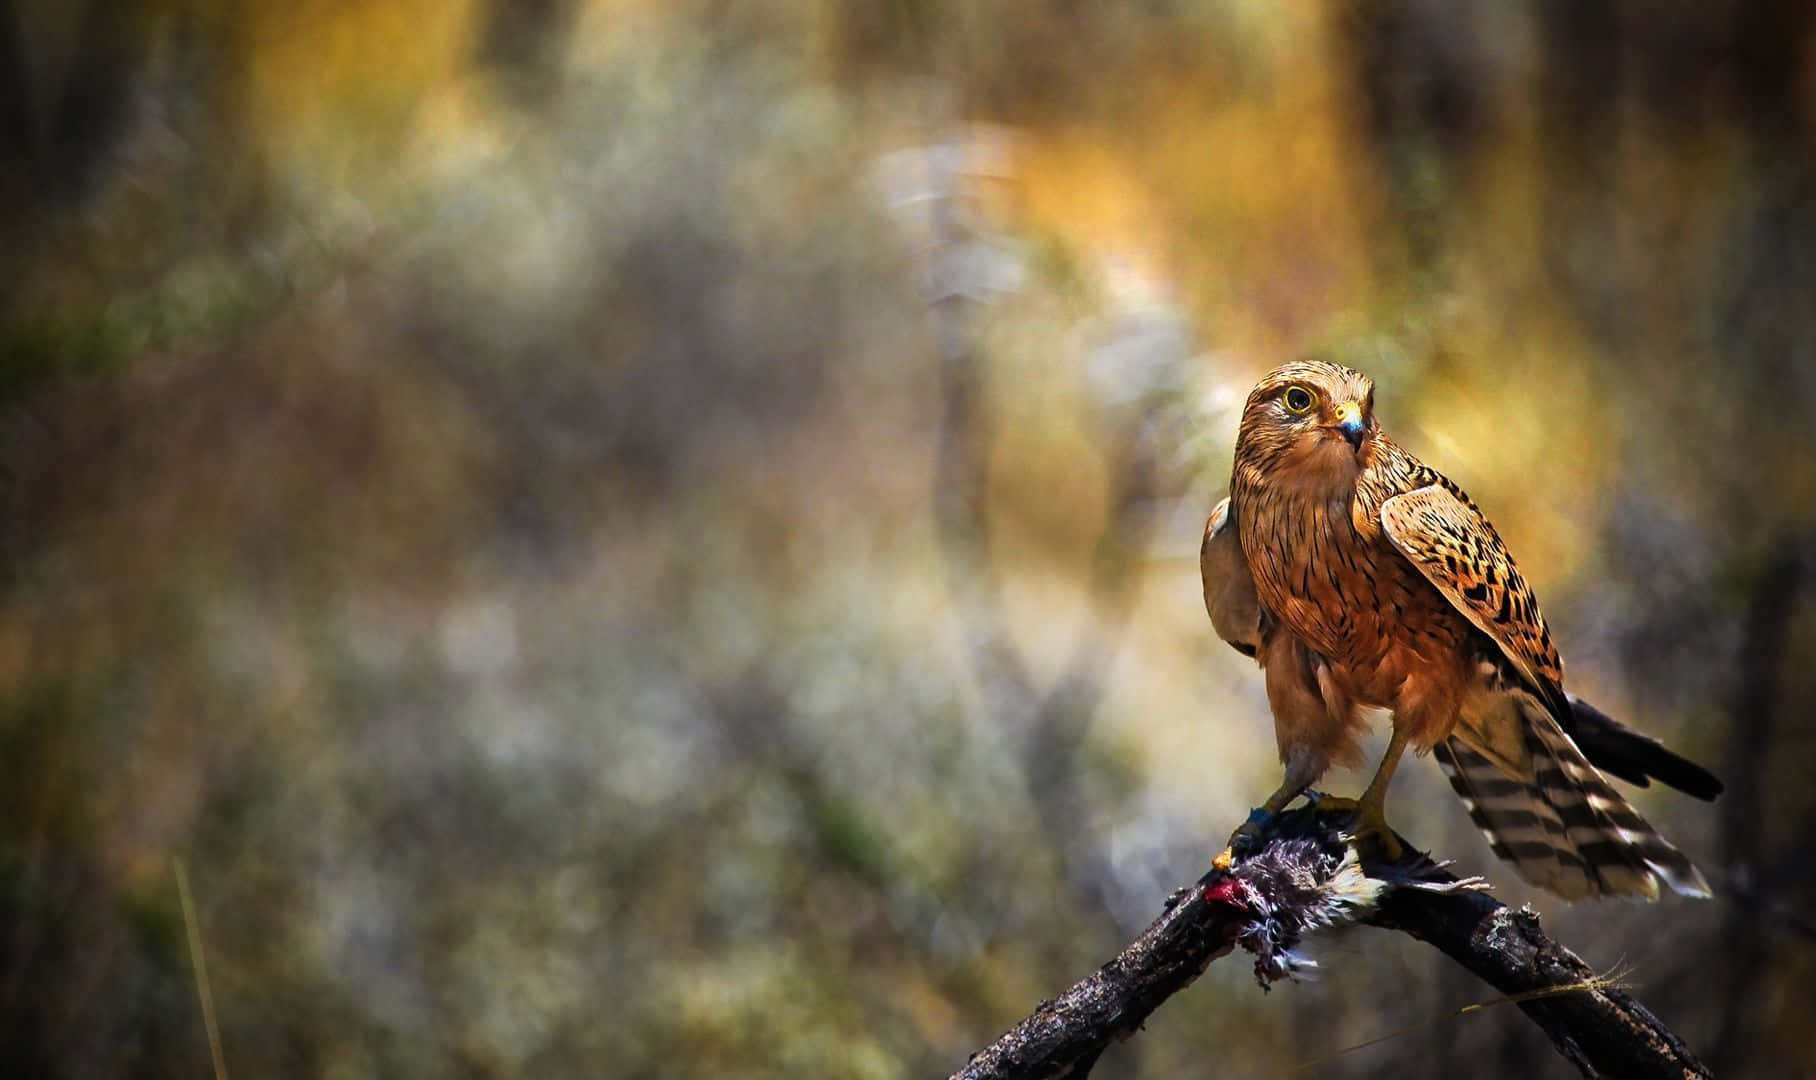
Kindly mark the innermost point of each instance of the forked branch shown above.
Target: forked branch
(1305, 878)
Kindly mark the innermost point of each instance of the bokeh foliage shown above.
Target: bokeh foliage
(656, 539)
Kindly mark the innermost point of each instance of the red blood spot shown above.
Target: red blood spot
(1222, 891)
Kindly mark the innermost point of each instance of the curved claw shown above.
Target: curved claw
(1246, 838)
(1369, 827)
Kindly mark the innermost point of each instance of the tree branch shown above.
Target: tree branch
(1305, 878)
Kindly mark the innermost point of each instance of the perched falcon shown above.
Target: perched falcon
(1359, 576)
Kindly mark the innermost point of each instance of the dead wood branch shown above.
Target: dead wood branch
(1304, 878)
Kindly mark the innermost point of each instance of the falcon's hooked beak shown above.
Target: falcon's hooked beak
(1351, 424)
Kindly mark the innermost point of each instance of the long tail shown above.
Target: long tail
(1618, 750)
(1564, 828)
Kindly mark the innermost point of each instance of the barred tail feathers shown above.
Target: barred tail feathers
(1564, 829)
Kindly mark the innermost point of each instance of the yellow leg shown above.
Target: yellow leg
(1371, 808)
(1369, 815)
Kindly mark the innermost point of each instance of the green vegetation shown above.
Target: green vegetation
(658, 539)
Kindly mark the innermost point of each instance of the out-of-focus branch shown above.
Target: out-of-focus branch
(1052, 721)
(1304, 878)
(1753, 734)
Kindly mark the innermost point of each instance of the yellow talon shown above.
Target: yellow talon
(1367, 824)
(1370, 824)
(1336, 804)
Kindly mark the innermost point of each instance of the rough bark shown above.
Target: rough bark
(1298, 882)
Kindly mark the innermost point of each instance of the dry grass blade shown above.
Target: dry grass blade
(200, 966)
(1614, 980)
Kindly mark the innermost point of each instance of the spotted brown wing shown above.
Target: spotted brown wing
(1460, 553)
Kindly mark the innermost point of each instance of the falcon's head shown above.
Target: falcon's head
(1310, 423)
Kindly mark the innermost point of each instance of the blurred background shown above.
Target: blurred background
(658, 539)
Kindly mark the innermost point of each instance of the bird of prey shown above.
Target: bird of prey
(1358, 576)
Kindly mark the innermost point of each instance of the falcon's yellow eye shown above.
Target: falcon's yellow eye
(1298, 400)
